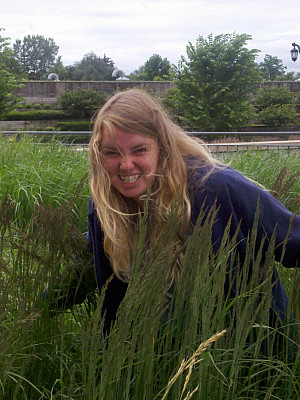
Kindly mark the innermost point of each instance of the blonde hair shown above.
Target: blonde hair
(135, 111)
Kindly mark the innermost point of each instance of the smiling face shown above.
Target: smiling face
(131, 161)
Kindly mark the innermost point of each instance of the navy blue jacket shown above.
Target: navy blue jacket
(237, 198)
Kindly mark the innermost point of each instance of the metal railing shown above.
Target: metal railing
(88, 133)
(215, 146)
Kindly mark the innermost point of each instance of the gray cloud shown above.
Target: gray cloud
(130, 32)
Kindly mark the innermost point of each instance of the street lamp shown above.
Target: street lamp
(294, 51)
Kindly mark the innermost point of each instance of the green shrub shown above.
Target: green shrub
(28, 106)
(276, 107)
(274, 96)
(276, 116)
(74, 126)
(47, 107)
(34, 115)
(81, 103)
(37, 106)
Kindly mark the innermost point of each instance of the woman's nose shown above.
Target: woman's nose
(126, 163)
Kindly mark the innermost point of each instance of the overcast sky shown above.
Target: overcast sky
(130, 32)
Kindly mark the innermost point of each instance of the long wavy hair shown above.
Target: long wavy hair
(135, 111)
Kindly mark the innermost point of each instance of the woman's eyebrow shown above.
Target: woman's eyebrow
(108, 147)
(115, 147)
(143, 144)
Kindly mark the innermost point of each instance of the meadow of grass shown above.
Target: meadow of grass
(161, 334)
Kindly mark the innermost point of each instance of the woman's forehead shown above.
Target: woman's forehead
(123, 138)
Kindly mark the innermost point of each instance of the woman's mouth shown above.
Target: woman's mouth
(130, 178)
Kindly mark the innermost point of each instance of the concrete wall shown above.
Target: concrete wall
(293, 86)
(44, 92)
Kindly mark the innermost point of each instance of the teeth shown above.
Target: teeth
(130, 179)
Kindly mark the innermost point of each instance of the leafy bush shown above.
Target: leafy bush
(74, 126)
(274, 96)
(81, 103)
(8, 82)
(276, 116)
(276, 107)
(34, 115)
(37, 106)
(171, 101)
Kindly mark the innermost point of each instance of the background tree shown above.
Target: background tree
(59, 69)
(35, 55)
(91, 68)
(214, 83)
(287, 76)
(8, 81)
(138, 74)
(6, 54)
(156, 68)
(272, 67)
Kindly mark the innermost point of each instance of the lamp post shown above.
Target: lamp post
(294, 51)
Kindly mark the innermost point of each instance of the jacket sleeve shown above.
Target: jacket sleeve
(238, 199)
(114, 288)
(77, 283)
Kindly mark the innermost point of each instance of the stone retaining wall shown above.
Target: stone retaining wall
(47, 92)
(26, 125)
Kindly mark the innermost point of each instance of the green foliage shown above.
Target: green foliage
(272, 68)
(276, 107)
(274, 96)
(90, 68)
(4, 49)
(156, 68)
(35, 55)
(59, 69)
(8, 81)
(37, 106)
(172, 103)
(7, 60)
(277, 116)
(34, 115)
(288, 76)
(214, 83)
(81, 103)
(74, 126)
(137, 75)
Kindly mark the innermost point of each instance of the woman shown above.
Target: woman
(137, 152)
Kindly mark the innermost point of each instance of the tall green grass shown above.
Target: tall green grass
(34, 173)
(278, 171)
(56, 355)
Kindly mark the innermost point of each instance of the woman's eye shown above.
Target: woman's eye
(141, 150)
(111, 154)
